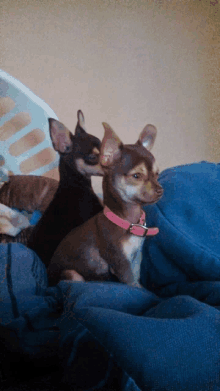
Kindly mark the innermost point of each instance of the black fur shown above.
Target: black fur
(74, 202)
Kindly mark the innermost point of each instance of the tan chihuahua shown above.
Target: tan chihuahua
(106, 246)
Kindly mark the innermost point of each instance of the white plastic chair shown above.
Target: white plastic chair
(25, 144)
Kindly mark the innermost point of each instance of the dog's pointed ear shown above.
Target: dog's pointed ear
(110, 147)
(80, 127)
(148, 136)
(60, 136)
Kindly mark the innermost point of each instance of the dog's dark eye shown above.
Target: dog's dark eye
(137, 176)
(68, 149)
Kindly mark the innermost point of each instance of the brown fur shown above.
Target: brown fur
(99, 248)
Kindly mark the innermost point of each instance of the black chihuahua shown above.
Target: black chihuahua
(75, 201)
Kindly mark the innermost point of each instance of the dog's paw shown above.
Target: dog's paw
(71, 275)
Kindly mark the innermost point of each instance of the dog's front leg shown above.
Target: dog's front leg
(71, 275)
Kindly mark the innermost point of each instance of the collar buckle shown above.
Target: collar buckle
(138, 229)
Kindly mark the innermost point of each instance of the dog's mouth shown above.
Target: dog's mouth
(99, 171)
(95, 169)
(147, 200)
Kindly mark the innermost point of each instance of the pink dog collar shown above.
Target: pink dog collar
(136, 229)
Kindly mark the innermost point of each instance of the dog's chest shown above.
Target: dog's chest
(131, 248)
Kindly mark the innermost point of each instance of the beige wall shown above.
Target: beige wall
(125, 62)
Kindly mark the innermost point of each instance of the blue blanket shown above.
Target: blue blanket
(187, 249)
(108, 336)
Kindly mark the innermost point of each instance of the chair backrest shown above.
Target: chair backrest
(25, 144)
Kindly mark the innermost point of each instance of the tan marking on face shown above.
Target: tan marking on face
(149, 188)
(95, 151)
(140, 168)
(80, 164)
